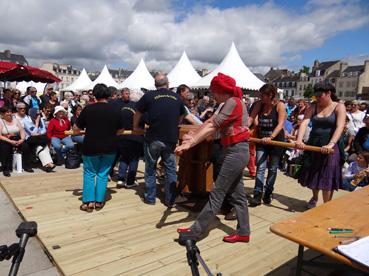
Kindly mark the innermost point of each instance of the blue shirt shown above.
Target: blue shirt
(31, 129)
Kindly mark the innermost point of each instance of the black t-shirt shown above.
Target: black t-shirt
(164, 109)
(101, 121)
(127, 111)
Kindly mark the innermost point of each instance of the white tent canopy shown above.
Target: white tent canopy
(80, 83)
(232, 65)
(22, 86)
(104, 78)
(140, 78)
(183, 73)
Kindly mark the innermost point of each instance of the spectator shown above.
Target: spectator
(32, 100)
(76, 111)
(290, 107)
(36, 138)
(356, 117)
(12, 136)
(361, 141)
(356, 172)
(55, 132)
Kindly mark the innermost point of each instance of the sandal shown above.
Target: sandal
(99, 205)
(87, 207)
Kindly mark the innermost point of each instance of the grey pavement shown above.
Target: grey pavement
(35, 261)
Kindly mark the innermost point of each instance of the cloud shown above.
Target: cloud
(91, 33)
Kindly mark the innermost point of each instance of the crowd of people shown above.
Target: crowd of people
(37, 127)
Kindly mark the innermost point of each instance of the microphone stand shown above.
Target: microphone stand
(194, 257)
(24, 231)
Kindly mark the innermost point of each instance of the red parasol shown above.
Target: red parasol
(14, 72)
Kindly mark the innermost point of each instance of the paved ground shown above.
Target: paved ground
(35, 261)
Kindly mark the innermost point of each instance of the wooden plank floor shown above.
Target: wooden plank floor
(128, 237)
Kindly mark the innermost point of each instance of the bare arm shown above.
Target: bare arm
(254, 114)
(204, 131)
(136, 120)
(340, 123)
(191, 120)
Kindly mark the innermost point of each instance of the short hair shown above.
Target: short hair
(126, 89)
(113, 90)
(29, 89)
(101, 91)
(268, 89)
(70, 93)
(5, 109)
(161, 80)
(325, 87)
(20, 105)
(365, 154)
(182, 88)
(74, 108)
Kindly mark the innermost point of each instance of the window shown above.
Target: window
(340, 84)
(348, 84)
(353, 83)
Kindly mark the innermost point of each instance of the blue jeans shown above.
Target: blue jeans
(262, 155)
(96, 167)
(154, 150)
(57, 145)
(78, 139)
(130, 152)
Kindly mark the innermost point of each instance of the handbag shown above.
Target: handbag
(72, 160)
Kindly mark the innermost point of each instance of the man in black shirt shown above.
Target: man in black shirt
(130, 146)
(164, 110)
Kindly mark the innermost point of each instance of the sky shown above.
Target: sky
(91, 33)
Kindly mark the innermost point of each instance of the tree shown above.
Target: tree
(305, 69)
(309, 91)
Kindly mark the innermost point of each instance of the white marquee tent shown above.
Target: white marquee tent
(232, 65)
(104, 78)
(183, 73)
(22, 86)
(140, 78)
(80, 83)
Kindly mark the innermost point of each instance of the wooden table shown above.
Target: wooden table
(309, 229)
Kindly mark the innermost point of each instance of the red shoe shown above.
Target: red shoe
(236, 238)
(183, 230)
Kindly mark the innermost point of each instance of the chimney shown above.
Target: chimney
(316, 63)
(343, 66)
(366, 66)
(7, 54)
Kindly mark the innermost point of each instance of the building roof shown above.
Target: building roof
(334, 74)
(287, 78)
(274, 74)
(259, 76)
(7, 56)
(326, 64)
(356, 68)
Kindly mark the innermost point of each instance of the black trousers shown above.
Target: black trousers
(6, 155)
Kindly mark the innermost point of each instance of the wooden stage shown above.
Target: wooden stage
(128, 237)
